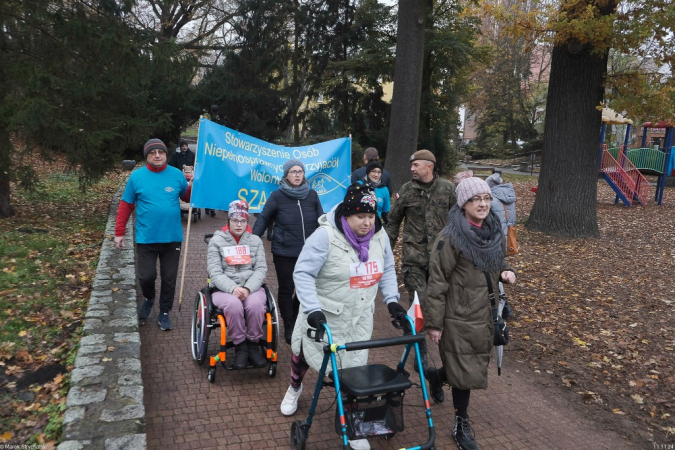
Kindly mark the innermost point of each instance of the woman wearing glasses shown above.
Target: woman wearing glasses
(374, 179)
(237, 268)
(459, 315)
(295, 210)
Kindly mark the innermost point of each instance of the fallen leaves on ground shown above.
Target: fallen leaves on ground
(598, 313)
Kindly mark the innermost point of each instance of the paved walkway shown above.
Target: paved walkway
(241, 409)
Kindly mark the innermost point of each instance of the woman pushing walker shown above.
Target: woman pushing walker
(337, 276)
(459, 312)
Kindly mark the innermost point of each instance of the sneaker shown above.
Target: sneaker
(360, 444)
(290, 402)
(463, 434)
(435, 379)
(164, 322)
(146, 308)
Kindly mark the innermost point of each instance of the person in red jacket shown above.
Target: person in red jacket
(154, 192)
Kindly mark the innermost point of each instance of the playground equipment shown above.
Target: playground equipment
(624, 169)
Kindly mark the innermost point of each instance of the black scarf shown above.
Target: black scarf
(481, 246)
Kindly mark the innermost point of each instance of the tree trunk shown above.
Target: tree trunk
(5, 155)
(5, 145)
(405, 105)
(566, 198)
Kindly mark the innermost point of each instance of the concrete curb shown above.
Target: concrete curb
(105, 402)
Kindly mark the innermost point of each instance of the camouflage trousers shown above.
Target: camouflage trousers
(415, 280)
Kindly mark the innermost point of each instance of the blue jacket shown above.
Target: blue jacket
(294, 221)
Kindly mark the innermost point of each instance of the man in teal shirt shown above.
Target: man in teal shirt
(154, 191)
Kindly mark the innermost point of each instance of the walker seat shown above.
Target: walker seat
(372, 379)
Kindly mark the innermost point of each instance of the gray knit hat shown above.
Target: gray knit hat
(470, 187)
(153, 144)
(290, 163)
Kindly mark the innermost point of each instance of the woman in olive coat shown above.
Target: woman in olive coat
(459, 311)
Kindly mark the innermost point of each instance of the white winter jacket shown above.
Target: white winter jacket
(322, 280)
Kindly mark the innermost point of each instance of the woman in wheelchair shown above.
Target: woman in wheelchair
(338, 273)
(237, 269)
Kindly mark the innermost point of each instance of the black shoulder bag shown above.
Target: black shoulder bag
(501, 336)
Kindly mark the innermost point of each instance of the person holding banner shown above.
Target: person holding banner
(154, 191)
(458, 315)
(295, 210)
(237, 268)
(337, 276)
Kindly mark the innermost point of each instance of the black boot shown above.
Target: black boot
(255, 357)
(463, 434)
(240, 356)
(436, 377)
(423, 356)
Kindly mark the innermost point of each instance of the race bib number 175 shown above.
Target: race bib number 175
(365, 274)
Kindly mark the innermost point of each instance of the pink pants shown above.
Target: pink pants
(244, 319)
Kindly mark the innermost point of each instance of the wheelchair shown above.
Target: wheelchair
(206, 317)
(370, 397)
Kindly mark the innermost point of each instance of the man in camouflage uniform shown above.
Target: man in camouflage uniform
(423, 203)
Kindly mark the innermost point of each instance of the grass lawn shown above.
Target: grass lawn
(48, 256)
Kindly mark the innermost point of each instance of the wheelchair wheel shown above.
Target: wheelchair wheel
(200, 330)
(299, 432)
(272, 370)
(211, 376)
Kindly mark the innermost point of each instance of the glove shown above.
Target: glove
(396, 310)
(398, 313)
(315, 318)
(385, 218)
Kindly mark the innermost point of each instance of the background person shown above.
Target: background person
(503, 203)
(459, 312)
(422, 206)
(154, 191)
(186, 157)
(374, 179)
(238, 276)
(183, 156)
(327, 283)
(459, 176)
(295, 210)
(370, 154)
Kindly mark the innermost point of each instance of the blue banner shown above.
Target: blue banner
(231, 165)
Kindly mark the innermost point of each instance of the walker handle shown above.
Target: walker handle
(388, 342)
(319, 332)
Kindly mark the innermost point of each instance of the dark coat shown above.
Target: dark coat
(294, 221)
(458, 304)
(180, 159)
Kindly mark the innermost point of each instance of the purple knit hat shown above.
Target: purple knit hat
(470, 187)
